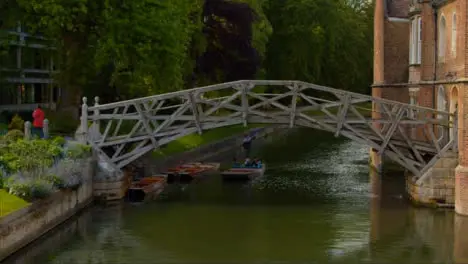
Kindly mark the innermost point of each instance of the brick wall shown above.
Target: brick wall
(396, 58)
(452, 62)
(398, 8)
(427, 53)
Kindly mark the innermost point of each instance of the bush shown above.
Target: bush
(14, 135)
(29, 188)
(78, 151)
(41, 189)
(17, 123)
(20, 188)
(59, 141)
(70, 172)
(56, 181)
(24, 155)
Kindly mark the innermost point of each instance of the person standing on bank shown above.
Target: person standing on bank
(247, 144)
(38, 122)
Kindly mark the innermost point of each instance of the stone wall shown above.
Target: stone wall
(22, 227)
(438, 189)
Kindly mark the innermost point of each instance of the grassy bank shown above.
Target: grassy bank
(364, 109)
(10, 203)
(195, 140)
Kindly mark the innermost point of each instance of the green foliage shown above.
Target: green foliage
(30, 188)
(60, 141)
(78, 151)
(56, 181)
(125, 49)
(321, 41)
(28, 155)
(13, 135)
(17, 123)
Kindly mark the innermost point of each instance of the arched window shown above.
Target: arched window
(441, 106)
(454, 35)
(415, 40)
(442, 36)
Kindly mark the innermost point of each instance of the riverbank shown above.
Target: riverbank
(21, 227)
(10, 203)
(194, 141)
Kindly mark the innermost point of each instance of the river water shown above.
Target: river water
(316, 204)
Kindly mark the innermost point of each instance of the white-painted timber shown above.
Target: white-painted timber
(145, 124)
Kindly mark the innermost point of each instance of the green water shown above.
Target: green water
(315, 205)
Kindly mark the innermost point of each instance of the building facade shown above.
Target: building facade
(421, 58)
(26, 73)
(420, 51)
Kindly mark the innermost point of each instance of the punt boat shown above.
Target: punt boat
(243, 173)
(147, 188)
(189, 171)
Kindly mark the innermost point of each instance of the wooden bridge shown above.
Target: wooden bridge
(121, 132)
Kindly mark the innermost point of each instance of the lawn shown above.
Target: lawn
(364, 109)
(195, 140)
(10, 203)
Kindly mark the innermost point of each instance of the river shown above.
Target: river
(316, 204)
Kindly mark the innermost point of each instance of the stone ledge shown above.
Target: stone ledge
(22, 227)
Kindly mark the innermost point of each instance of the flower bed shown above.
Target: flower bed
(34, 169)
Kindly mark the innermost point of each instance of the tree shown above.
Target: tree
(320, 41)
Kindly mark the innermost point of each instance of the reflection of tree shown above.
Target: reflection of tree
(108, 241)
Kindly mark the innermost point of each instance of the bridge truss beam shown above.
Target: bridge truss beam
(414, 137)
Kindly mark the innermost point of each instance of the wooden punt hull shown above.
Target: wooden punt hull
(243, 174)
(190, 171)
(146, 189)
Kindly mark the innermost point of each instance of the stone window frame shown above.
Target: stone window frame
(415, 40)
(442, 35)
(454, 35)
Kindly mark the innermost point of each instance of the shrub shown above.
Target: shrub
(14, 135)
(29, 188)
(41, 188)
(24, 155)
(2, 178)
(20, 188)
(17, 123)
(59, 141)
(70, 171)
(56, 181)
(78, 151)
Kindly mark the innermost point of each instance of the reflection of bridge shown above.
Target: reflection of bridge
(124, 131)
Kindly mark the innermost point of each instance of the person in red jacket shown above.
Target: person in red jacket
(38, 122)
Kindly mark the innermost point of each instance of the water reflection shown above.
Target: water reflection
(329, 210)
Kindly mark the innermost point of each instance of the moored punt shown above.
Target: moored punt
(146, 189)
(243, 173)
(187, 172)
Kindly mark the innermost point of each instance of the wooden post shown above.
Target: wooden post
(245, 105)
(195, 113)
(83, 132)
(45, 129)
(27, 130)
(295, 89)
(96, 120)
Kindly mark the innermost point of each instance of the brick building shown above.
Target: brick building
(421, 57)
(419, 53)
